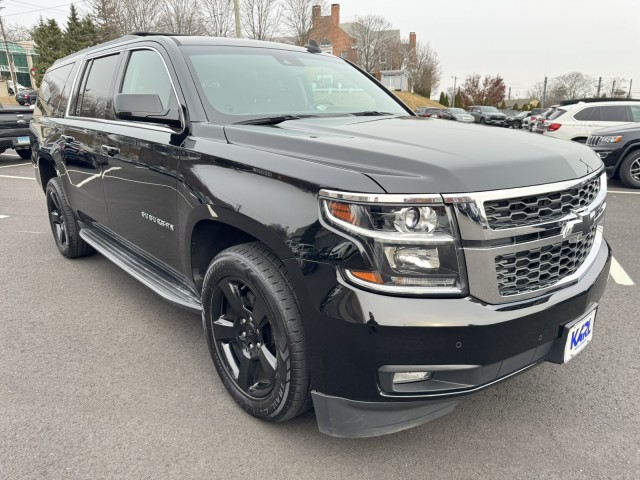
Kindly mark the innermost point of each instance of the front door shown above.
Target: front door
(140, 165)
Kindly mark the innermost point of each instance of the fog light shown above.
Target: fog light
(410, 377)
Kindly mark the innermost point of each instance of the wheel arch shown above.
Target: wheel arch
(211, 230)
(628, 151)
(46, 170)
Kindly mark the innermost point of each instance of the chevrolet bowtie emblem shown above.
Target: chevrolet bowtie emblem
(580, 227)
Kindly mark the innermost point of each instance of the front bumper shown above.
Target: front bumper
(489, 343)
(610, 156)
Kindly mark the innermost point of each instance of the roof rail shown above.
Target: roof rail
(590, 100)
(155, 34)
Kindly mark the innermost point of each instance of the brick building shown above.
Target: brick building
(339, 39)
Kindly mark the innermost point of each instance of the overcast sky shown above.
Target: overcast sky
(521, 40)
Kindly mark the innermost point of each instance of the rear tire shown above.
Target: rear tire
(63, 223)
(254, 332)
(24, 154)
(483, 121)
(629, 171)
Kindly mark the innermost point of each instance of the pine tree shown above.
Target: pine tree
(73, 34)
(444, 100)
(526, 107)
(502, 106)
(516, 107)
(50, 45)
(458, 100)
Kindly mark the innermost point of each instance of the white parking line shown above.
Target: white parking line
(15, 165)
(13, 176)
(623, 191)
(618, 274)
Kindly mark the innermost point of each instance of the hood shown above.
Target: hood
(495, 114)
(422, 155)
(619, 129)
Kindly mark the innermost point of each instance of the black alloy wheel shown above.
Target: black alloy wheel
(56, 219)
(254, 332)
(245, 337)
(64, 226)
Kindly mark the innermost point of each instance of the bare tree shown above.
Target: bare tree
(181, 16)
(17, 33)
(571, 85)
(370, 33)
(219, 18)
(424, 69)
(261, 18)
(297, 19)
(537, 91)
(138, 16)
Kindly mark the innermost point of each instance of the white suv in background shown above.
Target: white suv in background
(577, 121)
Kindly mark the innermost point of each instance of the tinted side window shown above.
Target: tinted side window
(51, 89)
(614, 113)
(556, 114)
(585, 114)
(146, 73)
(635, 113)
(95, 97)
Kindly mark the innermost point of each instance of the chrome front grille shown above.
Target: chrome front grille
(523, 242)
(532, 270)
(594, 140)
(542, 207)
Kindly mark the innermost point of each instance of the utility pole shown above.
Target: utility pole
(613, 88)
(509, 96)
(630, 83)
(544, 92)
(599, 87)
(236, 10)
(453, 100)
(6, 49)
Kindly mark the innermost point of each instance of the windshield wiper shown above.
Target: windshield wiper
(269, 120)
(370, 113)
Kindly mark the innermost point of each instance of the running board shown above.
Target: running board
(137, 264)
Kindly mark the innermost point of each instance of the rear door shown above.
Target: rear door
(140, 163)
(80, 149)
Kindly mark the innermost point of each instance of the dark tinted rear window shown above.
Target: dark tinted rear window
(95, 98)
(614, 113)
(586, 114)
(51, 91)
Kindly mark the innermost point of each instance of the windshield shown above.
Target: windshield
(244, 83)
(457, 111)
(522, 114)
(490, 109)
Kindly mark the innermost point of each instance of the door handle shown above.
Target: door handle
(110, 150)
(68, 139)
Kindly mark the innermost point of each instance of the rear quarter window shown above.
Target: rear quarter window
(586, 114)
(95, 96)
(54, 91)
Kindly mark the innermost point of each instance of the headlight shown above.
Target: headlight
(411, 244)
(611, 139)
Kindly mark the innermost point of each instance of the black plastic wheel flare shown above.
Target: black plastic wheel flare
(244, 337)
(56, 219)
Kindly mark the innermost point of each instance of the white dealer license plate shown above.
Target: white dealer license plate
(22, 141)
(579, 336)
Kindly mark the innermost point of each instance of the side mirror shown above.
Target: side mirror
(145, 107)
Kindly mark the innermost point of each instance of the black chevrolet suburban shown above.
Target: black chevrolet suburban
(344, 253)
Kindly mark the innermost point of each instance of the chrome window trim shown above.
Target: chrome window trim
(124, 122)
(399, 198)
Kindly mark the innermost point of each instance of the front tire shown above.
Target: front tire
(629, 171)
(254, 332)
(64, 226)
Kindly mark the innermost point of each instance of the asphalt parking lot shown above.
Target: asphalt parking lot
(100, 378)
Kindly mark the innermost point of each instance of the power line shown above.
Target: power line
(44, 9)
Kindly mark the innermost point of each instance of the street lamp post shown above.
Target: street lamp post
(453, 100)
